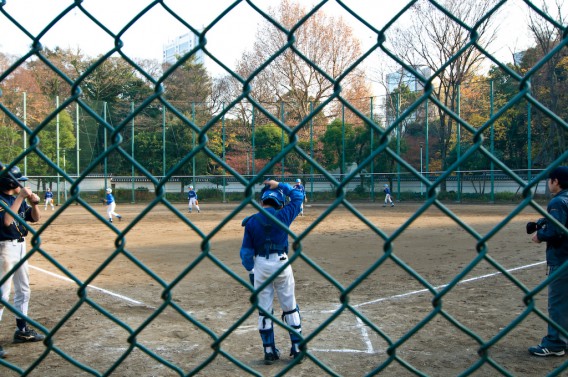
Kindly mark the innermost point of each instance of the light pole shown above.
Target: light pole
(421, 186)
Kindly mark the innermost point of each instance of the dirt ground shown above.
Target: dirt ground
(164, 303)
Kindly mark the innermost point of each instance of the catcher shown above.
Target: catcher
(13, 248)
(264, 251)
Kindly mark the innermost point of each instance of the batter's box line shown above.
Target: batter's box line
(363, 327)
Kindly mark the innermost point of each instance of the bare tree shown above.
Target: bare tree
(548, 87)
(327, 43)
(435, 40)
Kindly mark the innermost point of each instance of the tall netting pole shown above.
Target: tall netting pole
(224, 156)
(282, 142)
(193, 143)
(342, 141)
(529, 143)
(105, 144)
(77, 141)
(398, 146)
(57, 148)
(253, 142)
(492, 135)
(458, 145)
(427, 142)
(25, 136)
(133, 200)
(311, 152)
(372, 168)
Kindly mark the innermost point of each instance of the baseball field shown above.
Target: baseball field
(126, 298)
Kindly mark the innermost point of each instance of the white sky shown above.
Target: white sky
(227, 40)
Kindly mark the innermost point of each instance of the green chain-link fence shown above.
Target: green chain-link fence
(206, 129)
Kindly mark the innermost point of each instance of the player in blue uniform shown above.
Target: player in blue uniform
(299, 186)
(13, 249)
(48, 199)
(263, 252)
(111, 205)
(192, 198)
(388, 198)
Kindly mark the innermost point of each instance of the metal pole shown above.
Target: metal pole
(421, 184)
(282, 146)
(133, 199)
(372, 183)
(342, 141)
(224, 179)
(398, 145)
(64, 170)
(77, 142)
(458, 146)
(193, 143)
(57, 148)
(164, 146)
(529, 142)
(311, 152)
(253, 142)
(105, 143)
(25, 135)
(492, 136)
(427, 165)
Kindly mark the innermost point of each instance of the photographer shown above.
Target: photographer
(554, 343)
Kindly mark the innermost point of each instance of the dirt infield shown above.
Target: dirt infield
(434, 247)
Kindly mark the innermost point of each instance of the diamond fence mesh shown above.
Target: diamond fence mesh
(197, 134)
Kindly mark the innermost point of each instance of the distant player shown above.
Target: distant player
(264, 251)
(111, 205)
(388, 198)
(192, 198)
(299, 186)
(48, 199)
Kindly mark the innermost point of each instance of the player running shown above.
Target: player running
(48, 199)
(263, 252)
(111, 205)
(192, 198)
(388, 198)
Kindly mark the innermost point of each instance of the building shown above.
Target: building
(180, 46)
(402, 76)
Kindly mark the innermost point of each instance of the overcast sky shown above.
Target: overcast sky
(227, 40)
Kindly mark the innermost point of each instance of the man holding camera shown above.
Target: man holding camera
(554, 343)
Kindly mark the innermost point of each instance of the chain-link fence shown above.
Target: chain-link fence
(198, 139)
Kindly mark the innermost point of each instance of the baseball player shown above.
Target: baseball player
(49, 199)
(111, 205)
(388, 198)
(13, 249)
(264, 251)
(299, 186)
(192, 197)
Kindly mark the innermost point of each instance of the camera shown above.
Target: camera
(534, 226)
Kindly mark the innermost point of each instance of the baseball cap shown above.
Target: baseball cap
(298, 180)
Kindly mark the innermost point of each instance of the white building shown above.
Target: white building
(180, 46)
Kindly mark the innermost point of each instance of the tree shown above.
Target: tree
(290, 79)
(435, 40)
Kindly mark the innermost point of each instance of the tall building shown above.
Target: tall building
(402, 76)
(180, 46)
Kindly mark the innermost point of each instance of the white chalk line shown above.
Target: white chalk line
(121, 297)
(360, 324)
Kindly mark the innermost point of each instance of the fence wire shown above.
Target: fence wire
(202, 146)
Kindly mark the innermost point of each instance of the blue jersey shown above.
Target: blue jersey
(299, 186)
(192, 194)
(387, 190)
(16, 230)
(48, 195)
(109, 198)
(256, 237)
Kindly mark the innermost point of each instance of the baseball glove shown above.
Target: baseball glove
(103, 201)
(196, 203)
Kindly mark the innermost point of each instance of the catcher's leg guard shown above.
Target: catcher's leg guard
(294, 320)
(266, 330)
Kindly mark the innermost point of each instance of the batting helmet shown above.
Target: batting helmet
(274, 195)
(109, 190)
(9, 180)
(386, 185)
(191, 187)
(298, 180)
